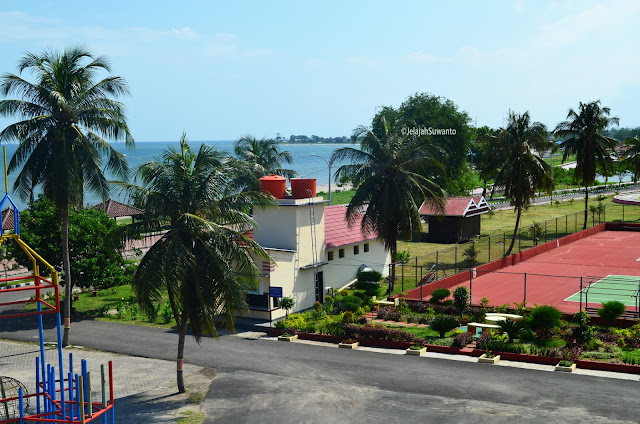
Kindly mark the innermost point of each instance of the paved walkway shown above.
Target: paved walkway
(145, 389)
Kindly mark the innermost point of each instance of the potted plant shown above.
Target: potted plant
(489, 358)
(566, 366)
(289, 335)
(416, 349)
(349, 344)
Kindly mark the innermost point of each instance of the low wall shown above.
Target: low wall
(424, 291)
(507, 356)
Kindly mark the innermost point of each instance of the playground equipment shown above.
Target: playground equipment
(59, 396)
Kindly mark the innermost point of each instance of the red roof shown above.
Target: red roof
(116, 209)
(464, 206)
(7, 219)
(337, 231)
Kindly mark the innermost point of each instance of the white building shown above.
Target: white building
(312, 247)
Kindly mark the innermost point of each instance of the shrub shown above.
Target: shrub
(462, 339)
(439, 295)
(611, 310)
(389, 314)
(377, 333)
(347, 317)
(461, 298)
(583, 332)
(512, 328)
(544, 318)
(328, 305)
(368, 277)
(370, 288)
(351, 303)
(443, 323)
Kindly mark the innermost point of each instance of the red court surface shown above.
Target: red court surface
(554, 275)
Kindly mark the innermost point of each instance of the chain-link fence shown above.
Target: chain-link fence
(446, 262)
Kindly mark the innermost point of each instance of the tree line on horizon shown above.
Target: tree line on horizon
(66, 114)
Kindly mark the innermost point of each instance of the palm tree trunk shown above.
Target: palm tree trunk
(515, 231)
(182, 332)
(586, 206)
(66, 267)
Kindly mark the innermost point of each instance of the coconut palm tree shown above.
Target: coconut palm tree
(64, 116)
(523, 172)
(388, 172)
(583, 136)
(632, 157)
(263, 156)
(201, 259)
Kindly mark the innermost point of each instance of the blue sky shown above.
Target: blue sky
(222, 69)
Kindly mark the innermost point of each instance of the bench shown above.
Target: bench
(472, 326)
(507, 316)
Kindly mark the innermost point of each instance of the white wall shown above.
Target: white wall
(340, 271)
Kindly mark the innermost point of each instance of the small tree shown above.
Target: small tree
(287, 303)
(439, 295)
(471, 254)
(512, 328)
(611, 310)
(461, 298)
(442, 324)
(545, 318)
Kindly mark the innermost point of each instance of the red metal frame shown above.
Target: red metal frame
(40, 284)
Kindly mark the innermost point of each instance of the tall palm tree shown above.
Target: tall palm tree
(632, 157)
(523, 171)
(201, 258)
(263, 156)
(64, 116)
(583, 136)
(388, 172)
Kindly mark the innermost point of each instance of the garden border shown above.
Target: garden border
(508, 356)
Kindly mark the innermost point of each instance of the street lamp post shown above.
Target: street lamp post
(329, 165)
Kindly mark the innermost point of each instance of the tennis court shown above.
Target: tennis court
(623, 288)
(602, 266)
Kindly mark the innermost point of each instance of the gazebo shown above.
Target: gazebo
(458, 222)
(116, 209)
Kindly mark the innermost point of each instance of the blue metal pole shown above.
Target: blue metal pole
(45, 381)
(78, 396)
(70, 396)
(41, 335)
(37, 385)
(60, 366)
(84, 379)
(21, 405)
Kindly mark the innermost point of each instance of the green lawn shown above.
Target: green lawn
(338, 197)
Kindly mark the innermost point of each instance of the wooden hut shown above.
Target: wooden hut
(459, 222)
(116, 209)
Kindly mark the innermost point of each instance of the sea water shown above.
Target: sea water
(305, 165)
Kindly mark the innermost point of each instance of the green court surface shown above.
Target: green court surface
(623, 288)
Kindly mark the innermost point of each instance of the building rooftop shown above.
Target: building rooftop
(116, 209)
(462, 206)
(337, 231)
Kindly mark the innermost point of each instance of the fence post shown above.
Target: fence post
(556, 228)
(504, 243)
(581, 293)
(470, 284)
(455, 260)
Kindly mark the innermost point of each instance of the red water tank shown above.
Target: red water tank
(274, 185)
(300, 187)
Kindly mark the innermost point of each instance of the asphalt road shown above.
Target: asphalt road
(263, 381)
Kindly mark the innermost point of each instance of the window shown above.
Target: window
(341, 253)
(356, 249)
(366, 247)
(330, 256)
